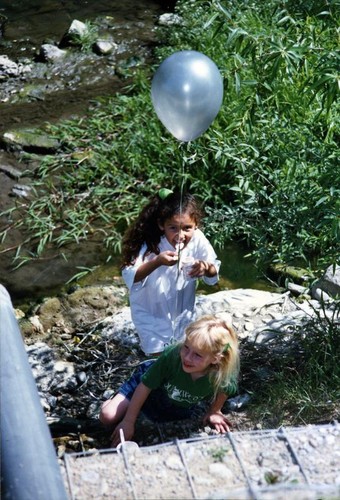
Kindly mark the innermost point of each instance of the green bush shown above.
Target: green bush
(274, 145)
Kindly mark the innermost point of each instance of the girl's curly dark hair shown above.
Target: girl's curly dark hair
(146, 227)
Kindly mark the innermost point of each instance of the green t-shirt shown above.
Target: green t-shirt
(167, 373)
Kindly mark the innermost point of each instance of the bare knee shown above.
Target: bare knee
(113, 410)
(105, 415)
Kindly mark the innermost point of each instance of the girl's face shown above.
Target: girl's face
(179, 229)
(195, 361)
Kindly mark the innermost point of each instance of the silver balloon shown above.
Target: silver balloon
(187, 93)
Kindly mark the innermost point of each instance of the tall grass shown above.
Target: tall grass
(295, 378)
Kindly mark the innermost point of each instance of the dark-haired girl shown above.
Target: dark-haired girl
(156, 250)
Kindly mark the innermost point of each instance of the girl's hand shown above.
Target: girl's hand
(167, 258)
(202, 268)
(218, 421)
(128, 429)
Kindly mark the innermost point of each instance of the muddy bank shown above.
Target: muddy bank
(61, 105)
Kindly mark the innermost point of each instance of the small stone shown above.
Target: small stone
(221, 470)
(81, 377)
(104, 47)
(174, 462)
(169, 19)
(321, 295)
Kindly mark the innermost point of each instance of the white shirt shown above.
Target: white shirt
(162, 304)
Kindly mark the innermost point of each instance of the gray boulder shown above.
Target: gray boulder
(328, 286)
(8, 68)
(51, 53)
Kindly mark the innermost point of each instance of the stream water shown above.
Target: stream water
(29, 24)
(33, 22)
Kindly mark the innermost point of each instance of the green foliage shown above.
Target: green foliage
(320, 345)
(303, 373)
(219, 454)
(86, 39)
(83, 272)
(266, 170)
(274, 146)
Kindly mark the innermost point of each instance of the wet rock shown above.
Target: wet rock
(25, 67)
(51, 53)
(11, 69)
(329, 284)
(74, 34)
(104, 47)
(8, 68)
(29, 140)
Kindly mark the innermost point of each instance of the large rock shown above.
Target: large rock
(327, 286)
(29, 140)
(80, 309)
(255, 314)
(51, 53)
(74, 34)
(8, 68)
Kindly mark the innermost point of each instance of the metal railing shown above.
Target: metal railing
(29, 465)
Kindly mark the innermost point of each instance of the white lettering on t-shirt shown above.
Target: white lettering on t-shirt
(180, 395)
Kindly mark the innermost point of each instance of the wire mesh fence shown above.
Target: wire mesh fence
(296, 463)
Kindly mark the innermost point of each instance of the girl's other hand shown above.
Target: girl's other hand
(218, 421)
(128, 429)
(198, 269)
(202, 268)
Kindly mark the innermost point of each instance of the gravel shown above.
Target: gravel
(296, 463)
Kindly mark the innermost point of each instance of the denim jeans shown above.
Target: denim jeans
(158, 407)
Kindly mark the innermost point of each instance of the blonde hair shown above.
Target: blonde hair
(214, 336)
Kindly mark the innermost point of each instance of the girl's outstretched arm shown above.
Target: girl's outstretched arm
(215, 417)
(128, 423)
(167, 258)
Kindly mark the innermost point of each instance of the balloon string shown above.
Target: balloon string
(181, 203)
(184, 162)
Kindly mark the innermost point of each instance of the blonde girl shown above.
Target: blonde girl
(204, 367)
